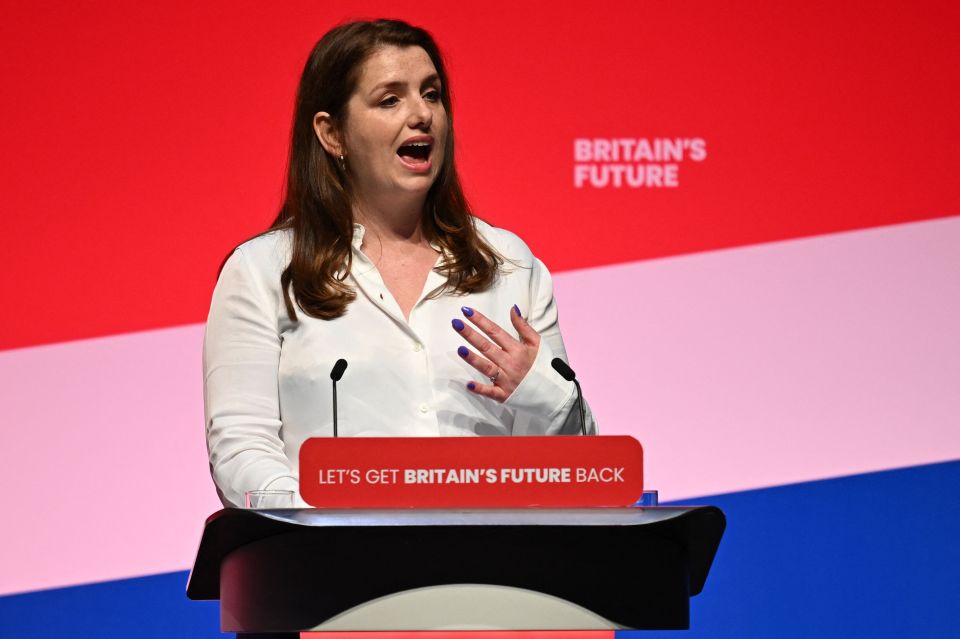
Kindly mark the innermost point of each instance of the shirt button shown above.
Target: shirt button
(417, 347)
(424, 408)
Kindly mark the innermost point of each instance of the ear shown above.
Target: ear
(328, 134)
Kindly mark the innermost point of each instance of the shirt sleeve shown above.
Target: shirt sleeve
(546, 403)
(241, 355)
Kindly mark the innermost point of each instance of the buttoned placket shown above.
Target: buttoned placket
(367, 277)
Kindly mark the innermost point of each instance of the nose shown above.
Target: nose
(421, 115)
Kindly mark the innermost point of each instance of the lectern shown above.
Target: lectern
(280, 572)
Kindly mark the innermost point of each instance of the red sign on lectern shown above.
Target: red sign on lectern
(471, 472)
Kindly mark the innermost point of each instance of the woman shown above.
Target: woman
(448, 324)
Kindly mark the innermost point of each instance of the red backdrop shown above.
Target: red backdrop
(142, 143)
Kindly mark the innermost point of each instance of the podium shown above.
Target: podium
(280, 572)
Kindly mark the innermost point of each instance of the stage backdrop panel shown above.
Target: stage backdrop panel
(751, 211)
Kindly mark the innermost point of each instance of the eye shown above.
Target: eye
(388, 102)
(432, 95)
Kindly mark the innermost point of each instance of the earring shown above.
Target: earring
(343, 163)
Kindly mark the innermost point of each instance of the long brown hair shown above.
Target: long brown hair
(318, 207)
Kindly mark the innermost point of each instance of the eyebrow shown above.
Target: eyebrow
(393, 85)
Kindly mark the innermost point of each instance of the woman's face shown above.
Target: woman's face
(396, 126)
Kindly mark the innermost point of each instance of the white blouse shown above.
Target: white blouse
(267, 381)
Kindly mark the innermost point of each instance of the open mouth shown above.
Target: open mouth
(415, 152)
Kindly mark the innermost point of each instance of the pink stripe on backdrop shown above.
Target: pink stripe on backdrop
(776, 363)
(736, 369)
(104, 462)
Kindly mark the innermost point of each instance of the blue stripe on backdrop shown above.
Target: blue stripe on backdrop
(154, 607)
(870, 555)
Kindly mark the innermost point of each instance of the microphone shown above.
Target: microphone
(567, 373)
(335, 375)
(338, 369)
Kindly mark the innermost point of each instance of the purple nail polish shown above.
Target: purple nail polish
(457, 325)
(463, 352)
(467, 311)
(516, 309)
(472, 386)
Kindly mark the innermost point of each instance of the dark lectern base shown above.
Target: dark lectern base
(299, 570)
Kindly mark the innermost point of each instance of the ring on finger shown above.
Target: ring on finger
(493, 378)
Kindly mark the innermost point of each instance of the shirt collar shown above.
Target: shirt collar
(359, 231)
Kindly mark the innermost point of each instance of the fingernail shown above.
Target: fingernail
(472, 386)
(463, 352)
(516, 309)
(467, 311)
(457, 325)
